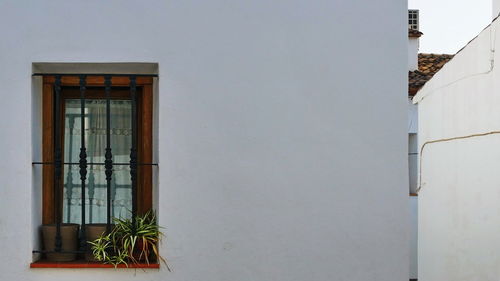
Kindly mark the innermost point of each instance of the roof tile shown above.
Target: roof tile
(414, 33)
(428, 65)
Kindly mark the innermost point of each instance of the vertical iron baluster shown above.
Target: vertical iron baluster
(69, 177)
(57, 161)
(91, 174)
(108, 162)
(113, 194)
(83, 159)
(133, 149)
(91, 191)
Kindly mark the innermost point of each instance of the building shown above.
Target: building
(421, 68)
(458, 179)
(280, 140)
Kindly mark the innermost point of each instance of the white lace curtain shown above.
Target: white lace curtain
(95, 141)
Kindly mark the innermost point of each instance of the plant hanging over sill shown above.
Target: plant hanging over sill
(130, 241)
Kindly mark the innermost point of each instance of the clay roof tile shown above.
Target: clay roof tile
(428, 65)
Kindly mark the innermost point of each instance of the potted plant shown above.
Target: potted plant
(130, 240)
(92, 232)
(69, 241)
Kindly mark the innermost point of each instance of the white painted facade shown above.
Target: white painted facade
(413, 45)
(459, 120)
(496, 8)
(280, 139)
(412, 184)
(413, 237)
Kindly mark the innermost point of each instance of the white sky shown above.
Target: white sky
(449, 24)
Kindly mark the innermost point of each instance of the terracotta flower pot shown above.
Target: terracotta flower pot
(136, 254)
(92, 232)
(69, 239)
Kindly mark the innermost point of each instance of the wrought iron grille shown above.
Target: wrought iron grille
(83, 164)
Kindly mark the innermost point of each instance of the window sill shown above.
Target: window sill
(85, 264)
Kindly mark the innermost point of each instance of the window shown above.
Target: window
(413, 19)
(96, 148)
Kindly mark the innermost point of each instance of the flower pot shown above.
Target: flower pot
(92, 232)
(136, 253)
(69, 241)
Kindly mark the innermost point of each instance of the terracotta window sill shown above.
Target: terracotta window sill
(85, 264)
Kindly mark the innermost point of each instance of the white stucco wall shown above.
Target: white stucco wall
(413, 237)
(413, 162)
(413, 201)
(412, 146)
(459, 212)
(412, 117)
(282, 135)
(496, 8)
(413, 45)
(413, 180)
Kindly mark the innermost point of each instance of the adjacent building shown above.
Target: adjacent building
(458, 137)
(421, 68)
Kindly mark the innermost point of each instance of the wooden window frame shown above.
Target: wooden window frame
(144, 137)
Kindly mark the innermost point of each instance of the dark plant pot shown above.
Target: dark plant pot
(92, 232)
(136, 254)
(69, 239)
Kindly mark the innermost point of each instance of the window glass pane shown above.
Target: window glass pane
(95, 141)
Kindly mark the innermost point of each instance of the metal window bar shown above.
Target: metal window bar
(108, 155)
(83, 163)
(57, 162)
(133, 150)
(95, 163)
(69, 177)
(83, 160)
(91, 189)
(96, 74)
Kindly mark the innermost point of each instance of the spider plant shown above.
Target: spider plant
(104, 250)
(130, 241)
